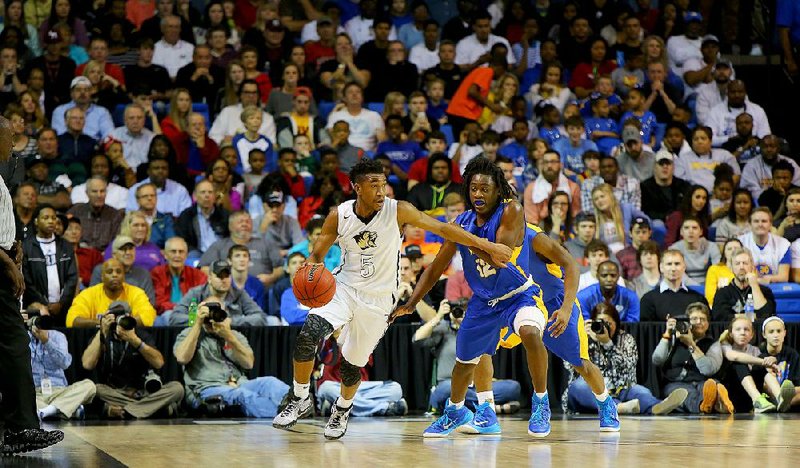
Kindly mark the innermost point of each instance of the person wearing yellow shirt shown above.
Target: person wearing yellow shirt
(94, 301)
(720, 275)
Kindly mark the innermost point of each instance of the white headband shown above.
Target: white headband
(771, 319)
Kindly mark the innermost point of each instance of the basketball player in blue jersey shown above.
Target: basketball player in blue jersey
(556, 273)
(502, 297)
(368, 232)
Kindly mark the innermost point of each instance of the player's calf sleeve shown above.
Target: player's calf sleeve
(351, 375)
(315, 329)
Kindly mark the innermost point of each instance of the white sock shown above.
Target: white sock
(483, 397)
(601, 397)
(342, 403)
(301, 390)
(48, 411)
(458, 405)
(541, 395)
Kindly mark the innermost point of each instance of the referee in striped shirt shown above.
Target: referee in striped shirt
(19, 424)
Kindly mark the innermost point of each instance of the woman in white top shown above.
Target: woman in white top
(551, 89)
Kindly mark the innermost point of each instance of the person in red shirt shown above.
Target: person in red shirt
(319, 52)
(87, 257)
(586, 74)
(287, 170)
(472, 94)
(245, 13)
(329, 164)
(164, 276)
(98, 51)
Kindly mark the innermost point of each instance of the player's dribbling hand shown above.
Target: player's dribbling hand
(399, 311)
(560, 320)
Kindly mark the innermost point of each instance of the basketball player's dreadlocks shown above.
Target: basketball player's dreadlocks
(481, 165)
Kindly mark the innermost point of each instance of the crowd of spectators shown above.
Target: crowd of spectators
(176, 156)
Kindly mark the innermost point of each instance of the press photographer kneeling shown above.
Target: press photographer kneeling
(126, 361)
(215, 360)
(50, 356)
(681, 355)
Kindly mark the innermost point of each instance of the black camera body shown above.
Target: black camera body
(682, 324)
(215, 312)
(37, 320)
(122, 319)
(458, 308)
(600, 327)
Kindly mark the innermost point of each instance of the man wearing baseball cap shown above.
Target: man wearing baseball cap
(59, 70)
(662, 193)
(686, 46)
(98, 120)
(241, 309)
(634, 161)
(123, 249)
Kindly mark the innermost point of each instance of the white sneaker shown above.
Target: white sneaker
(337, 424)
(289, 416)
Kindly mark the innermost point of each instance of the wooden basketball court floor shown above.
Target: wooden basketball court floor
(763, 441)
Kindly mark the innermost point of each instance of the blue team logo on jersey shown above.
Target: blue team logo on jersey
(366, 239)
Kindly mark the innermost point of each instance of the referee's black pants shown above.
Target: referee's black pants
(18, 407)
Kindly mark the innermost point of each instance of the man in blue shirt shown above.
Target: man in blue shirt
(571, 149)
(401, 153)
(239, 257)
(787, 19)
(55, 398)
(607, 290)
(98, 120)
(292, 312)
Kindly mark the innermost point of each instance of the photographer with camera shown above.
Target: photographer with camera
(242, 310)
(733, 299)
(616, 354)
(439, 335)
(50, 356)
(126, 360)
(49, 267)
(94, 301)
(681, 355)
(216, 360)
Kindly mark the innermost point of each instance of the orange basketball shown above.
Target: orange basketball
(313, 285)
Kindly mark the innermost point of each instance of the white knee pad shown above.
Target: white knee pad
(529, 315)
(471, 361)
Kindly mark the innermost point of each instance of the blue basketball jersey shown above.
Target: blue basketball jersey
(549, 276)
(486, 281)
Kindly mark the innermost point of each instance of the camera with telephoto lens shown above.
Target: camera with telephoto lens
(600, 327)
(215, 312)
(122, 318)
(36, 319)
(682, 325)
(458, 308)
(152, 382)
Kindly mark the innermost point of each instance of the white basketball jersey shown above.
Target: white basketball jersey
(370, 252)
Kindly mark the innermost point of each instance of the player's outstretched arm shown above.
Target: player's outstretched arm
(330, 231)
(429, 277)
(557, 254)
(408, 214)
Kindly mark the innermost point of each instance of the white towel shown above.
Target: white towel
(542, 188)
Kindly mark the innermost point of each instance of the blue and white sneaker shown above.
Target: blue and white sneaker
(451, 419)
(484, 422)
(539, 423)
(609, 418)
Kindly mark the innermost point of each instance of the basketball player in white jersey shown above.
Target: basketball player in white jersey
(368, 231)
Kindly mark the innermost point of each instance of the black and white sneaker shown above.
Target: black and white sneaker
(294, 410)
(337, 424)
(28, 440)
